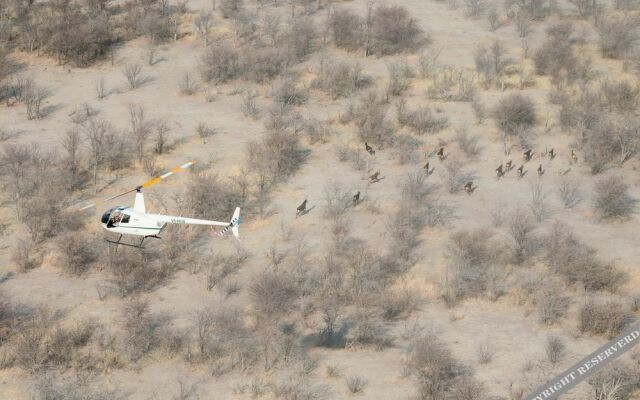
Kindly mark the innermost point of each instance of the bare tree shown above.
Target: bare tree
(203, 24)
(612, 199)
(140, 129)
(133, 73)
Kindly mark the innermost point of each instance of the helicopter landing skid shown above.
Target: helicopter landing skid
(138, 246)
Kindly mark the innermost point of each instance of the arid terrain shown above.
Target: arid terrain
(469, 168)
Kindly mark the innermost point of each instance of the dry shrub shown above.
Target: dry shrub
(432, 364)
(468, 143)
(221, 62)
(140, 327)
(604, 316)
(556, 56)
(276, 156)
(618, 36)
(77, 253)
(521, 228)
(421, 120)
(209, 197)
(288, 93)
(262, 64)
(514, 112)
(367, 329)
(370, 117)
(555, 349)
(400, 75)
(452, 84)
(491, 63)
(273, 295)
(395, 31)
(612, 198)
(340, 79)
(475, 266)
(346, 28)
(579, 263)
(455, 175)
(619, 380)
(552, 304)
(25, 255)
(405, 148)
(132, 272)
(356, 383)
(54, 386)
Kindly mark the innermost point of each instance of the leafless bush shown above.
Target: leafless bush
(140, 129)
(140, 328)
(539, 205)
(356, 383)
(77, 253)
(569, 191)
(578, 262)
(491, 63)
(618, 36)
(556, 55)
(203, 24)
(367, 330)
(555, 349)
(262, 64)
(485, 352)
(431, 362)
(493, 17)
(452, 84)
(552, 305)
(276, 156)
(53, 386)
(393, 30)
(273, 294)
(455, 176)
(405, 148)
(346, 28)
(318, 131)
(479, 110)
(25, 255)
(621, 96)
(619, 380)
(249, 106)
(161, 138)
(370, 117)
(288, 93)
(513, 113)
(337, 200)
(428, 63)
(612, 198)
(340, 79)
(421, 120)
(301, 37)
(467, 143)
(187, 84)
(210, 197)
(229, 8)
(400, 75)
(610, 140)
(604, 316)
(220, 62)
(205, 131)
(473, 264)
(356, 158)
(132, 272)
(474, 8)
(520, 229)
(133, 73)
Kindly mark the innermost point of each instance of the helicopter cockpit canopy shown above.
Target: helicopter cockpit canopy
(113, 216)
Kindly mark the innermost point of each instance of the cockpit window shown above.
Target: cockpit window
(105, 216)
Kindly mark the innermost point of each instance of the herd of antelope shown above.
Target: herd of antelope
(468, 187)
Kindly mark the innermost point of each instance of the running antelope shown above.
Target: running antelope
(301, 208)
(369, 149)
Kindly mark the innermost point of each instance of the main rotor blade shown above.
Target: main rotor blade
(166, 175)
(144, 185)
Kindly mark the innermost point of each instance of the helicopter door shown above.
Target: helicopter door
(115, 219)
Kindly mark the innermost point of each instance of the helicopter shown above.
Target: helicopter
(135, 221)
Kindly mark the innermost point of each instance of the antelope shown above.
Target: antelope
(574, 157)
(521, 171)
(426, 167)
(527, 155)
(440, 153)
(499, 171)
(552, 154)
(369, 149)
(468, 187)
(301, 208)
(356, 199)
(375, 177)
(509, 165)
(540, 170)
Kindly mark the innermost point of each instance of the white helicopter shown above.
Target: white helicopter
(137, 222)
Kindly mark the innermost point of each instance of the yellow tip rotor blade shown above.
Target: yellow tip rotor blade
(166, 175)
